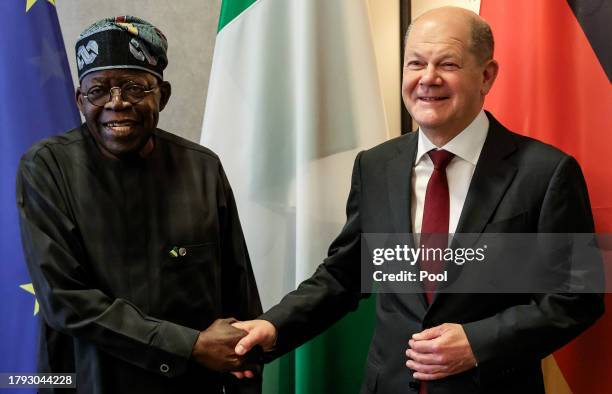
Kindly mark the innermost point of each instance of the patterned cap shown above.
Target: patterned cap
(121, 42)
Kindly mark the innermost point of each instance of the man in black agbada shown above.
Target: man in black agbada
(131, 234)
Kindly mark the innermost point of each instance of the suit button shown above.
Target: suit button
(164, 368)
(414, 385)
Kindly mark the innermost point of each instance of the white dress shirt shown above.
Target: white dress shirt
(466, 147)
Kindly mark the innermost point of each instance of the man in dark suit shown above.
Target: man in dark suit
(462, 172)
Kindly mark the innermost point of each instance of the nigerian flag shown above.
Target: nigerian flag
(293, 96)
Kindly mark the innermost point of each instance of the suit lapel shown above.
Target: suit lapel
(491, 179)
(492, 176)
(399, 183)
(399, 188)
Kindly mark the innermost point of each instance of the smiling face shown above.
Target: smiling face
(119, 127)
(444, 84)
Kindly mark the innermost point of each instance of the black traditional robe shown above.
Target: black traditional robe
(130, 260)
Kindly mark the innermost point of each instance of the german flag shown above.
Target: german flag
(555, 85)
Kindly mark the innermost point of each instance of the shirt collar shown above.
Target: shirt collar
(466, 145)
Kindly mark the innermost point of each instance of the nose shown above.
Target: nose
(430, 76)
(116, 102)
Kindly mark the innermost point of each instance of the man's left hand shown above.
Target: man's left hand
(440, 351)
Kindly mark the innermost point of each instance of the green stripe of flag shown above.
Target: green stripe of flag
(230, 9)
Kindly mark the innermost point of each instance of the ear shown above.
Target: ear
(166, 90)
(79, 99)
(489, 74)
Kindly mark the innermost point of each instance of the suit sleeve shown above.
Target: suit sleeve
(331, 292)
(532, 331)
(69, 300)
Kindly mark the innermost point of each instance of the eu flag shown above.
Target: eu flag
(37, 100)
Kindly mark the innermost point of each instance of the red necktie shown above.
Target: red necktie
(436, 211)
(434, 229)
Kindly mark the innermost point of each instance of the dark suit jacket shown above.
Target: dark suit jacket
(519, 185)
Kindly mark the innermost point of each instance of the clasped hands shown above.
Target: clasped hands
(229, 345)
(440, 351)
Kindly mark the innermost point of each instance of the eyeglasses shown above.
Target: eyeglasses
(131, 92)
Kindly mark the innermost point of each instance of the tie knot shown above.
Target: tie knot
(440, 158)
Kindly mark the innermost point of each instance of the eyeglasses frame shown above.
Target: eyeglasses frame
(120, 91)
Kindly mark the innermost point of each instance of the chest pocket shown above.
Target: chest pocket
(515, 224)
(191, 281)
(186, 254)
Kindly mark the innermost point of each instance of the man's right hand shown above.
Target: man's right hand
(214, 347)
(260, 332)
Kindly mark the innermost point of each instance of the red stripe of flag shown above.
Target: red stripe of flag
(551, 86)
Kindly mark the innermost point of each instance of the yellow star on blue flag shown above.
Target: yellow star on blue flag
(30, 289)
(30, 3)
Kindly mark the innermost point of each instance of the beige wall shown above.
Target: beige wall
(385, 25)
(420, 6)
(190, 26)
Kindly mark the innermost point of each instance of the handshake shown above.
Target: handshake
(229, 345)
